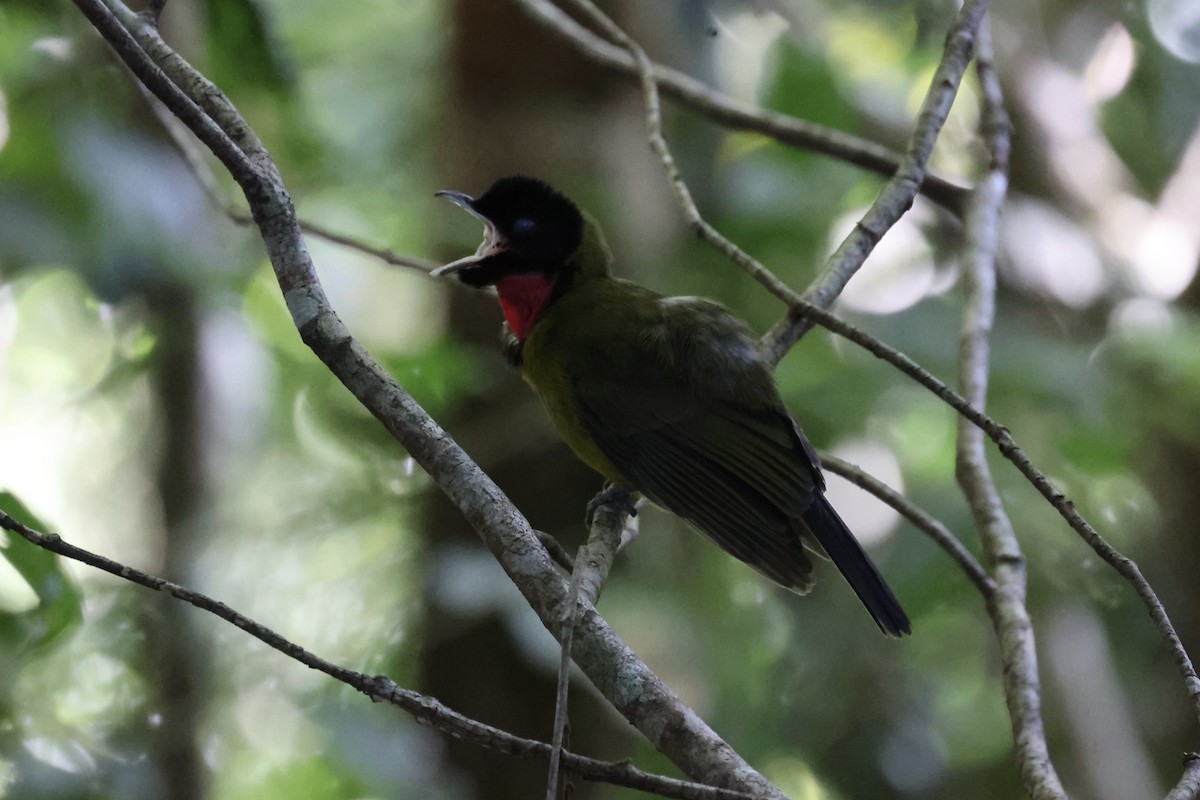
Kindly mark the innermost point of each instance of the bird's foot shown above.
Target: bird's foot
(613, 494)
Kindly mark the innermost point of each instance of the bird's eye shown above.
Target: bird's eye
(524, 226)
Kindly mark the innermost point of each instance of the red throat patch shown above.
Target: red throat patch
(522, 298)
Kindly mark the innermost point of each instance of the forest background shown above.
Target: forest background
(157, 405)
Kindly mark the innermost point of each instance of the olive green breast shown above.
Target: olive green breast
(583, 332)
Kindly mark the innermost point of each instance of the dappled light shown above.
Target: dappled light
(162, 402)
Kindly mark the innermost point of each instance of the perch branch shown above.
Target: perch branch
(588, 576)
(620, 676)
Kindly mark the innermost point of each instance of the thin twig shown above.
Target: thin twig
(422, 265)
(898, 194)
(1022, 689)
(185, 145)
(425, 709)
(918, 516)
(735, 114)
(570, 616)
(588, 576)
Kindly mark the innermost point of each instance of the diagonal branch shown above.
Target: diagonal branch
(425, 709)
(588, 576)
(733, 113)
(898, 195)
(628, 684)
(933, 527)
(185, 144)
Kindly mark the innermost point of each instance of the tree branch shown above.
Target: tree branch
(588, 576)
(918, 516)
(635, 691)
(898, 194)
(425, 709)
(733, 113)
(181, 137)
(1022, 688)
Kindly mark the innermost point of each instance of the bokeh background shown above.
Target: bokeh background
(156, 404)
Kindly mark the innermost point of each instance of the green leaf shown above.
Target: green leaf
(59, 602)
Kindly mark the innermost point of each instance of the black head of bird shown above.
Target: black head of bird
(532, 238)
(668, 396)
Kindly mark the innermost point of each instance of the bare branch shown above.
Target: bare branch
(570, 615)
(1022, 688)
(898, 194)
(609, 512)
(631, 687)
(918, 516)
(423, 708)
(1188, 787)
(195, 159)
(735, 114)
(422, 265)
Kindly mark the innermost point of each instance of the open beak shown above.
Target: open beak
(493, 241)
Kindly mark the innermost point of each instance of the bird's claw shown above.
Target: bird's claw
(616, 495)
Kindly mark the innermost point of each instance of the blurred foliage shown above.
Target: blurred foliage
(57, 603)
(316, 523)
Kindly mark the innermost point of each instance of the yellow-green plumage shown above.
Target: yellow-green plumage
(563, 329)
(667, 395)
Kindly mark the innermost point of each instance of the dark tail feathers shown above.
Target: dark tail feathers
(862, 575)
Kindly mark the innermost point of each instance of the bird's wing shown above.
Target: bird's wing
(698, 428)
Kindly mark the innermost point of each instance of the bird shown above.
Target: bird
(669, 398)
